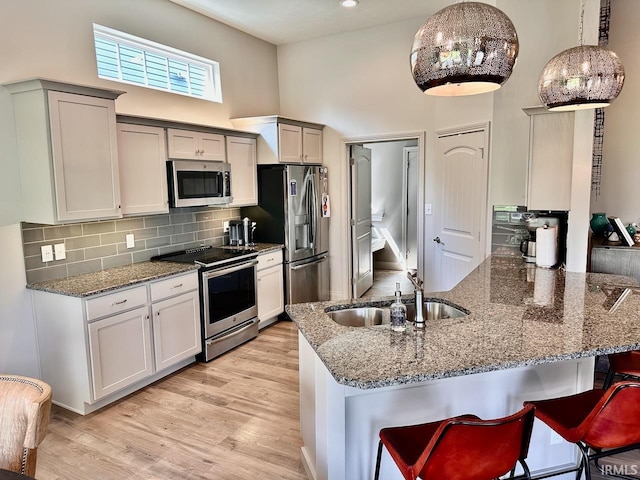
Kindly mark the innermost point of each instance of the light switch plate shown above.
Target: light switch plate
(60, 251)
(131, 240)
(427, 209)
(47, 253)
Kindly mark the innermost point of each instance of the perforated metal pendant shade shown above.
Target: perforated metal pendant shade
(582, 77)
(464, 49)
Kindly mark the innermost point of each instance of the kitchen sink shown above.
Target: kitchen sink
(434, 310)
(360, 317)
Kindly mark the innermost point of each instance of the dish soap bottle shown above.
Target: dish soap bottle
(398, 312)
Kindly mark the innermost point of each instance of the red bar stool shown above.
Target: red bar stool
(460, 448)
(600, 422)
(626, 364)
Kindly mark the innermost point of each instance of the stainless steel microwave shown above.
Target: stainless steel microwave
(195, 183)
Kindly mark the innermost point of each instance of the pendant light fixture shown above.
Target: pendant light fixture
(582, 77)
(464, 49)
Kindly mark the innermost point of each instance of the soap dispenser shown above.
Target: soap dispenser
(398, 312)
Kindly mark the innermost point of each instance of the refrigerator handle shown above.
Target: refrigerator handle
(314, 209)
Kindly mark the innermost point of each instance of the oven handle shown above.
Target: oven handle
(304, 265)
(232, 333)
(224, 271)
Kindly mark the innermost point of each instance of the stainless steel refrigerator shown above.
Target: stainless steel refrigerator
(292, 210)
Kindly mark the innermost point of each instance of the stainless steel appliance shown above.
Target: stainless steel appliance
(236, 235)
(228, 300)
(290, 199)
(195, 183)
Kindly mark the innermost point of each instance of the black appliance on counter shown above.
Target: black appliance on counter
(228, 298)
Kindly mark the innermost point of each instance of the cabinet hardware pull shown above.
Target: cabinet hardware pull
(120, 302)
(176, 286)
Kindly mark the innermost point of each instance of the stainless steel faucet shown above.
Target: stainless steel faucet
(417, 282)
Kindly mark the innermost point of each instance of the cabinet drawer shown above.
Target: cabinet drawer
(116, 302)
(174, 286)
(267, 260)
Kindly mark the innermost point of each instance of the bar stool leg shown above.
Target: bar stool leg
(608, 379)
(377, 474)
(584, 463)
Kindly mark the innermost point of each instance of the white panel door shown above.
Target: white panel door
(241, 154)
(120, 349)
(460, 210)
(361, 255)
(270, 292)
(289, 143)
(183, 144)
(142, 158)
(176, 329)
(212, 147)
(312, 146)
(85, 156)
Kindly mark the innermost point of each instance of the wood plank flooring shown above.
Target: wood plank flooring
(234, 418)
(384, 283)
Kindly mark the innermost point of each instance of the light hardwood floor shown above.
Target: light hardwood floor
(384, 283)
(234, 418)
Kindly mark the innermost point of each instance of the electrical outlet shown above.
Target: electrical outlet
(131, 240)
(225, 226)
(47, 253)
(60, 251)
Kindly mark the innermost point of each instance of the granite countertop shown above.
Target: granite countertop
(259, 247)
(519, 315)
(103, 281)
(125, 276)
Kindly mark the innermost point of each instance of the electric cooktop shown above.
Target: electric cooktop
(208, 256)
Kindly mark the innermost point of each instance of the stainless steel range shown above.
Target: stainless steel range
(228, 300)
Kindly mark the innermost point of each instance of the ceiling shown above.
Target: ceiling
(287, 21)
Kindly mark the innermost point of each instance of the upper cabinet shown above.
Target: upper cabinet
(66, 137)
(241, 154)
(142, 156)
(191, 145)
(283, 140)
(550, 159)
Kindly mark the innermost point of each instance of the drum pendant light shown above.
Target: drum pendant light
(582, 77)
(464, 49)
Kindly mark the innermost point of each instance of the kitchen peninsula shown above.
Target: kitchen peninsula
(531, 333)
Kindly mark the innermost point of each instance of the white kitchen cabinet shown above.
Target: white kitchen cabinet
(283, 140)
(66, 136)
(550, 159)
(241, 154)
(142, 156)
(190, 145)
(120, 349)
(176, 329)
(270, 287)
(95, 350)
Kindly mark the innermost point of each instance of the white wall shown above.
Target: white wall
(621, 162)
(54, 39)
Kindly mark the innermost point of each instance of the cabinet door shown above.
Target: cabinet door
(85, 156)
(289, 143)
(550, 161)
(142, 158)
(241, 153)
(120, 351)
(176, 329)
(312, 145)
(212, 147)
(270, 293)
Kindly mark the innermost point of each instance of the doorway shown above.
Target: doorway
(385, 221)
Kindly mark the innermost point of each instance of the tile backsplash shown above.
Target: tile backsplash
(99, 245)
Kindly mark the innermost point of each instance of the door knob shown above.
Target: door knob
(437, 240)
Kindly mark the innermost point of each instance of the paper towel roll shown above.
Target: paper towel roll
(546, 246)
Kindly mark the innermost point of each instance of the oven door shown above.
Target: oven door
(228, 297)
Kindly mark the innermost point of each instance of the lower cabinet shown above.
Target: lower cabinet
(120, 348)
(96, 350)
(175, 335)
(270, 287)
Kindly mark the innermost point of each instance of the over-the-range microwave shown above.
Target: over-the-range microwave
(195, 183)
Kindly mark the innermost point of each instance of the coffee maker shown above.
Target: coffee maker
(530, 246)
(241, 232)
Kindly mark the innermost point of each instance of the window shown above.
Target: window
(124, 58)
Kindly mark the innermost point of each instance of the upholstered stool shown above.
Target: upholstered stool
(25, 404)
(460, 448)
(600, 422)
(626, 364)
